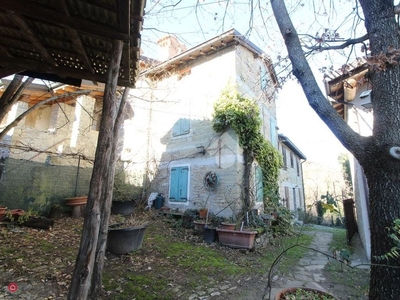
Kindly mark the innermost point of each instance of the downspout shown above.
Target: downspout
(302, 183)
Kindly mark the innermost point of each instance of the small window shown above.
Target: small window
(291, 160)
(284, 157)
(287, 198)
(181, 127)
(298, 167)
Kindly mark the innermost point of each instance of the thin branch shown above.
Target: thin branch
(338, 47)
(37, 105)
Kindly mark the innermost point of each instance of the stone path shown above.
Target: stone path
(307, 273)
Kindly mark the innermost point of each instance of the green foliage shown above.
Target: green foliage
(243, 116)
(394, 234)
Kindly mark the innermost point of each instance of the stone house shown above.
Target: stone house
(291, 176)
(349, 92)
(170, 141)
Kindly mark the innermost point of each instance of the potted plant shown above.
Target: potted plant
(126, 233)
(293, 293)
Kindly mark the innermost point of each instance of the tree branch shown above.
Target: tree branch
(37, 105)
(338, 47)
(316, 99)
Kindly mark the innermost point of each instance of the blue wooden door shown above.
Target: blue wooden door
(179, 184)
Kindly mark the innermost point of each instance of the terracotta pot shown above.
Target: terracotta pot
(227, 226)
(292, 290)
(236, 238)
(76, 201)
(16, 213)
(203, 213)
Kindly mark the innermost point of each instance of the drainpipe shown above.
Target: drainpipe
(302, 183)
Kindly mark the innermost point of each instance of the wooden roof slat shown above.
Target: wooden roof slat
(27, 8)
(61, 5)
(31, 36)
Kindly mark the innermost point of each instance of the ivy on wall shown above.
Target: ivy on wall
(242, 115)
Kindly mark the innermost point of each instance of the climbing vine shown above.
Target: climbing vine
(242, 115)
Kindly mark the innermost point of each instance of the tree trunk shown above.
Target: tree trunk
(381, 169)
(83, 272)
(248, 158)
(106, 208)
(11, 94)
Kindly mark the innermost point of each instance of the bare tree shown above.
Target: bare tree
(379, 153)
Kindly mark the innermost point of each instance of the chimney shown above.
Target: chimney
(169, 47)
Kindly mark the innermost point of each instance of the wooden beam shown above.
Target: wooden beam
(10, 70)
(31, 36)
(42, 67)
(62, 7)
(34, 10)
(124, 15)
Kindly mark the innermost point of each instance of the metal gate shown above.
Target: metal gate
(349, 214)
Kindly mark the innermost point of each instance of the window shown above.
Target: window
(263, 78)
(291, 160)
(178, 187)
(294, 200)
(181, 127)
(287, 197)
(298, 167)
(284, 157)
(259, 184)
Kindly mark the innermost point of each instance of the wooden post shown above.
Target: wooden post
(83, 272)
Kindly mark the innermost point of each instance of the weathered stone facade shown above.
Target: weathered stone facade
(189, 93)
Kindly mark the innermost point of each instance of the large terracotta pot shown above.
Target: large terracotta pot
(292, 290)
(236, 238)
(199, 226)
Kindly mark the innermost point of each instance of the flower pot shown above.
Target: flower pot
(236, 238)
(122, 207)
(210, 234)
(76, 201)
(292, 291)
(203, 213)
(199, 226)
(125, 240)
(227, 226)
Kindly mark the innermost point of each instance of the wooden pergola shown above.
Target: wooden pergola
(70, 40)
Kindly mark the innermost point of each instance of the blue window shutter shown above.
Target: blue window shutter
(174, 184)
(178, 184)
(259, 185)
(182, 126)
(183, 184)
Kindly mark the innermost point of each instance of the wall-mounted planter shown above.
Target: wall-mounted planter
(125, 240)
(122, 207)
(236, 238)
